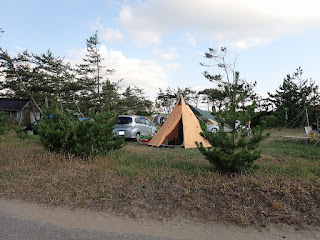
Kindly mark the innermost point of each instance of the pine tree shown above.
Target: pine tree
(293, 96)
(10, 67)
(232, 151)
(46, 77)
(94, 136)
(18, 76)
(135, 101)
(167, 98)
(58, 77)
(214, 96)
(111, 98)
(91, 75)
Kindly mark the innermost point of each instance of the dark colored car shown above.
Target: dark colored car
(29, 129)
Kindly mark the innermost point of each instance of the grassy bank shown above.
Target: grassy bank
(158, 183)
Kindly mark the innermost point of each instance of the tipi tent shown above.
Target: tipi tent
(181, 128)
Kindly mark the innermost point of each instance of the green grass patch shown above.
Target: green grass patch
(130, 160)
(285, 149)
(12, 139)
(288, 167)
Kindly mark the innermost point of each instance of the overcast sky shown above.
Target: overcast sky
(159, 43)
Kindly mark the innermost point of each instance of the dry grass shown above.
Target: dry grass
(143, 182)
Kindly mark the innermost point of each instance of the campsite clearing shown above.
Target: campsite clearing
(168, 183)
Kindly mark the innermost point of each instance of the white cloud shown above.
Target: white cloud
(171, 54)
(144, 73)
(173, 66)
(107, 34)
(240, 23)
(112, 35)
(141, 36)
(145, 37)
(191, 40)
(97, 25)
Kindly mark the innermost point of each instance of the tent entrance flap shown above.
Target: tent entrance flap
(175, 137)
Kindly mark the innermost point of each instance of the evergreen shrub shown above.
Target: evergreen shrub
(63, 133)
(232, 153)
(272, 121)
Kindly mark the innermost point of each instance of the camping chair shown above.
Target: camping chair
(312, 135)
(308, 130)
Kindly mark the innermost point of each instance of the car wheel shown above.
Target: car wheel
(214, 130)
(138, 137)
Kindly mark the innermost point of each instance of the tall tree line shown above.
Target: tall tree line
(51, 81)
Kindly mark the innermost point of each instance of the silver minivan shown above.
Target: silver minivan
(133, 126)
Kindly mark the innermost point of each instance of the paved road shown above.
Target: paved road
(26, 221)
(12, 228)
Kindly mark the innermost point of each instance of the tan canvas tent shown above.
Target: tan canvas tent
(181, 128)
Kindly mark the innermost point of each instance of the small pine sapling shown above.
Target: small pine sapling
(232, 149)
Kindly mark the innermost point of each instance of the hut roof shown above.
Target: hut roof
(14, 105)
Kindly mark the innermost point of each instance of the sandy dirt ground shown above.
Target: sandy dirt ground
(175, 229)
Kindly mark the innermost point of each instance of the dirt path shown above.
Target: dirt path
(180, 229)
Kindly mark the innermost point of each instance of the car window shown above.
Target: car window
(142, 121)
(125, 120)
(138, 120)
